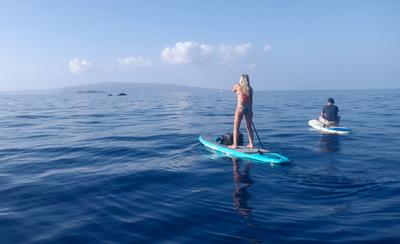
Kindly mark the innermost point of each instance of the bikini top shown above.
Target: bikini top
(245, 98)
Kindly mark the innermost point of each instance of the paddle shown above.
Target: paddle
(323, 124)
(255, 130)
(326, 125)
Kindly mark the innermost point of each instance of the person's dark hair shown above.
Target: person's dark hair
(331, 100)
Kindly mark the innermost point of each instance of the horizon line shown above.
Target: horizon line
(180, 85)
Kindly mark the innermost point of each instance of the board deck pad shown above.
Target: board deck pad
(250, 150)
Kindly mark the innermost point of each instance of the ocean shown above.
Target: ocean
(93, 168)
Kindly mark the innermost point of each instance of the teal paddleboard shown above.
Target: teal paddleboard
(260, 155)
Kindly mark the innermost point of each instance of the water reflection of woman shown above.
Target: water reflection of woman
(240, 195)
(330, 143)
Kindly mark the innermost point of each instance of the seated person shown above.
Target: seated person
(329, 115)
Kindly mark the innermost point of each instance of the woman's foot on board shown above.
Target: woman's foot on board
(233, 146)
(251, 146)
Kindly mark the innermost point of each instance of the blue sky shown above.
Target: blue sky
(280, 44)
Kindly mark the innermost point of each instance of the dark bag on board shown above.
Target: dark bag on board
(227, 139)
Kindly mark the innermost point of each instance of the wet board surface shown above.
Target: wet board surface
(255, 154)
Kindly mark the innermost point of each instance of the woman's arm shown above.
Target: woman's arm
(236, 88)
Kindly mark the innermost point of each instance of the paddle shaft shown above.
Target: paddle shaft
(255, 130)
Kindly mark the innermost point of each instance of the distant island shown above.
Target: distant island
(116, 88)
(125, 88)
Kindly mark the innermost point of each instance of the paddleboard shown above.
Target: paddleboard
(338, 130)
(255, 154)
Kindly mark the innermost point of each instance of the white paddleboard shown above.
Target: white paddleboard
(338, 130)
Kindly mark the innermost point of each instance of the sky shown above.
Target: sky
(282, 45)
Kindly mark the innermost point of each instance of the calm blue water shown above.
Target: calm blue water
(88, 168)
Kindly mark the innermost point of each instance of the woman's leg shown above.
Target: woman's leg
(249, 126)
(236, 126)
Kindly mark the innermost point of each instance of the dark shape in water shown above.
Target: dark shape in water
(122, 94)
(89, 91)
(110, 94)
(330, 143)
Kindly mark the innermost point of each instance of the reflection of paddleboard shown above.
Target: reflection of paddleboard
(261, 155)
(339, 130)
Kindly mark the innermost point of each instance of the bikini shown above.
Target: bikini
(246, 107)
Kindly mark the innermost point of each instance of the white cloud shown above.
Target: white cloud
(268, 47)
(137, 61)
(78, 65)
(230, 53)
(187, 52)
(192, 52)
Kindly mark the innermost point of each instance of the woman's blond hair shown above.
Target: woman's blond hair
(244, 83)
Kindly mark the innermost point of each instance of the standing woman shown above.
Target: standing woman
(244, 108)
